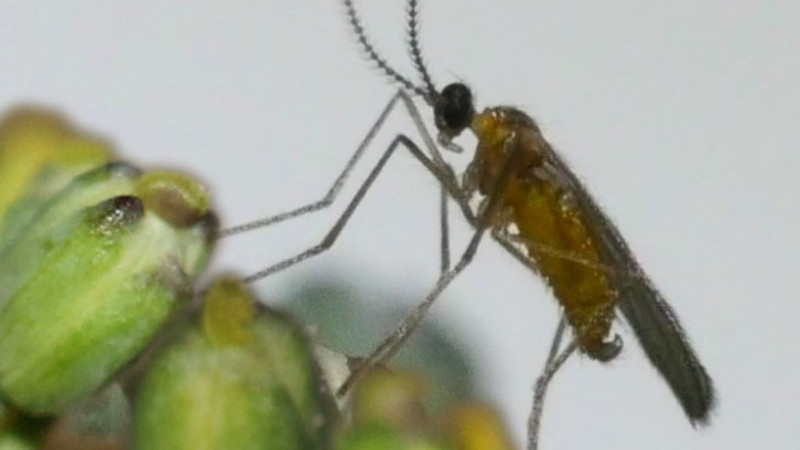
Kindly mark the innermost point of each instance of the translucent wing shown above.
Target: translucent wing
(653, 321)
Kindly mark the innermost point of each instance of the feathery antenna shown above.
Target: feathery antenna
(369, 49)
(414, 51)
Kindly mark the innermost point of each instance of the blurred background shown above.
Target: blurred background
(680, 118)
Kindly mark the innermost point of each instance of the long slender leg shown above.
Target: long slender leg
(392, 342)
(337, 185)
(435, 164)
(444, 231)
(554, 362)
(554, 359)
(332, 234)
(333, 190)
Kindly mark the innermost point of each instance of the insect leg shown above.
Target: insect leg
(434, 164)
(394, 340)
(444, 230)
(335, 188)
(330, 237)
(554, 362)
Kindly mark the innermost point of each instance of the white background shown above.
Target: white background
(680, 116)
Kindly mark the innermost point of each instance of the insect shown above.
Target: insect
(531, 203)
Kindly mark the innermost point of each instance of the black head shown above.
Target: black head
(453, 109)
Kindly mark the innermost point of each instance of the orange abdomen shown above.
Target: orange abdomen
(583, 290)
(546, 218)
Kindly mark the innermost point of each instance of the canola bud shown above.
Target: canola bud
(90, 278)
(477, 426)
(239, 376)
(382, 437)
(41, 152)
(388, 414)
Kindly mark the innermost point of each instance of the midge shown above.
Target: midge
(538, 210)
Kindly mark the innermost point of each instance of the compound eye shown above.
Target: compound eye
(453, 109)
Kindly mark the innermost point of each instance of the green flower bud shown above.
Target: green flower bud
(90, 279)
(388, 414)
(40, 152)
(383, 437)
(34, 228)
(238, 378)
